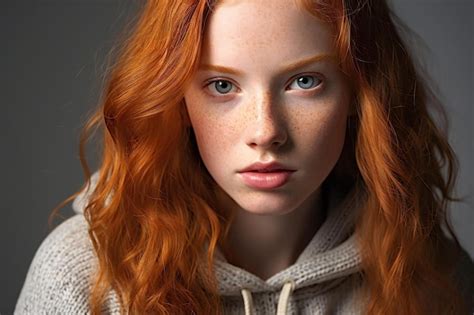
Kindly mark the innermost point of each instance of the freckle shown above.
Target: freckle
(297, 129)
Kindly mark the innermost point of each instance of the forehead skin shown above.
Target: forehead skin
(274, 31)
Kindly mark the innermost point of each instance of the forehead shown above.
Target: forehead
(263, 31)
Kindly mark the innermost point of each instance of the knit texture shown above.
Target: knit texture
(325, 279)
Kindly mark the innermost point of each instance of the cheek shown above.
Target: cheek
(321, 125)
(212, 136)
(332, 128)
(322, 138)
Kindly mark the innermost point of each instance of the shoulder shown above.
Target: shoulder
(58, 279)
(464, 277)
(462, 269)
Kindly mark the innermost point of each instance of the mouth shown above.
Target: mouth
(268, 171)
(266, 179)
(270, 167)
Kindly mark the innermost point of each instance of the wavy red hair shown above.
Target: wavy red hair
(156, 235)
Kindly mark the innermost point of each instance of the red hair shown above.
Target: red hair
(150, 236)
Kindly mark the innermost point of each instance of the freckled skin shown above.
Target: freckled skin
(260, 119)
(265, 122)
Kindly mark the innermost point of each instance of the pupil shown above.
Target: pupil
(223, 84)
(305, 81)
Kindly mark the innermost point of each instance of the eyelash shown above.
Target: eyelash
(315, 78)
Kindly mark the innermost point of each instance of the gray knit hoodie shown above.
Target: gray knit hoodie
(325, 279)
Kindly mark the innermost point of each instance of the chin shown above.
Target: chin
(267, 206)
(266, 212)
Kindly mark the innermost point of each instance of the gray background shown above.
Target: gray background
(52, 59)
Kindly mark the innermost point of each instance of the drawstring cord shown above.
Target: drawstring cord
(285, 293)
(248, 302)
(284, 297)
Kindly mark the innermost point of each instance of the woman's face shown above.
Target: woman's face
(268, 89)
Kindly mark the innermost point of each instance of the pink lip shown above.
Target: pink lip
(266, 167)
(267, 180)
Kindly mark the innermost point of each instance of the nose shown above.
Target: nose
(266, 127)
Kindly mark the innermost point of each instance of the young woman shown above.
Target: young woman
(261, 157)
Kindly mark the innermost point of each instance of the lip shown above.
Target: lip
(265, 167)
(265, 175)
(266, 180)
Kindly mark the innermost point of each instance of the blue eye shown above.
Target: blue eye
(221, 86)
(307, 81)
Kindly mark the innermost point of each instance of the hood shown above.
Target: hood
(330, 256)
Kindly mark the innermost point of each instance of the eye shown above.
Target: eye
(306, 82)
(222, 87)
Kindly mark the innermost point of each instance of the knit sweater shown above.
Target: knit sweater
(325, 279)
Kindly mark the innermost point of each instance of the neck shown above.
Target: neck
(267, 244)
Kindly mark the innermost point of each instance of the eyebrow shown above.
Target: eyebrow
(287, 68)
